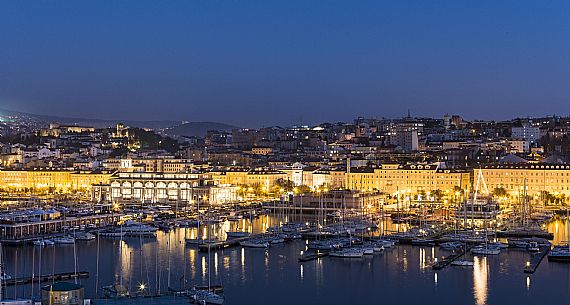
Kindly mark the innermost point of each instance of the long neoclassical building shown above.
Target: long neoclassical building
(538, 178)
(184, 188)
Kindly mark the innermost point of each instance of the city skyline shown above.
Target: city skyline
(284, 63)
(284, 152)
(74, 120)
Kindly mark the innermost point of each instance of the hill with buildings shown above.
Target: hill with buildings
(174, 128)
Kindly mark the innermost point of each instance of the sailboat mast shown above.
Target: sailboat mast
(1, 271)
(168, 250)
(121, 258)
(209, 256)
(398, 208)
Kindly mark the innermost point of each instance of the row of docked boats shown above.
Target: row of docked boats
(264, 240)
(129, 228)
(560, 253)
(64, 240)
(529, 244)
(358, 251)
(276, 235)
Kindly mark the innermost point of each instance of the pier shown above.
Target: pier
(13, 232)
(46, 278)
(224, 244)
(535, 260)
(449, 259)
(525, 234)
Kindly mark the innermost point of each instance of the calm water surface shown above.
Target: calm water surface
(401, 275)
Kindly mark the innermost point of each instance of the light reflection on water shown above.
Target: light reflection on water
(259, 275)
(480, 280)
(559, 226)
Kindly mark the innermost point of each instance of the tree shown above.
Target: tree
(286, 185)
(437, 194)
(302, 189)
(547, 197)
(500, 192)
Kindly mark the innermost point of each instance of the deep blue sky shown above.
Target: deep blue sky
(255, 63)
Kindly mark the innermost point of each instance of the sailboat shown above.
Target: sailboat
(4, 277)
(484, 249)
(462, 263)
(207, 296)
(237, 233)
(117, 290)
(347, 253)
(561, 253)
(199, 241)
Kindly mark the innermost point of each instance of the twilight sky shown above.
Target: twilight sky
(260, 63)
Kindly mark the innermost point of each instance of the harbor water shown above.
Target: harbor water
(400, 275)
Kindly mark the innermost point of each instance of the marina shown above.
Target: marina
(450, 259)
(284, 152)
(155, 252)
(228, 255)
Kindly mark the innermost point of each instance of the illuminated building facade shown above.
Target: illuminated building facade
(262, 177)
(551, 178)
(52, 180)
(169, 188)
(391, 178)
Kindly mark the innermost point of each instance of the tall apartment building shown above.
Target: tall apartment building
(526, 132)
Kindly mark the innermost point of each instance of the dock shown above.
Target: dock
(535, 260)
(17, 233)
(224, 244)
(525, 234)
(46, 278)
(449, 259)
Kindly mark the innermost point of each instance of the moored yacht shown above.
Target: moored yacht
(85, 236)
(237, 234)
(64, 240)
(560, 254)
(206, 297)
(323, 244)
(347, 253)
(462, 263)
(254, 243)
(485, 250)
(451, 245)
(39, 243)
(386, 243)
(378, 248)
(201, 241)
(138, 229)
(111, 233)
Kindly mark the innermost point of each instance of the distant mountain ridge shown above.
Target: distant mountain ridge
(175, 128)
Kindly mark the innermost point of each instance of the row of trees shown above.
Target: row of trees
(282, 186)
(545, 196)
